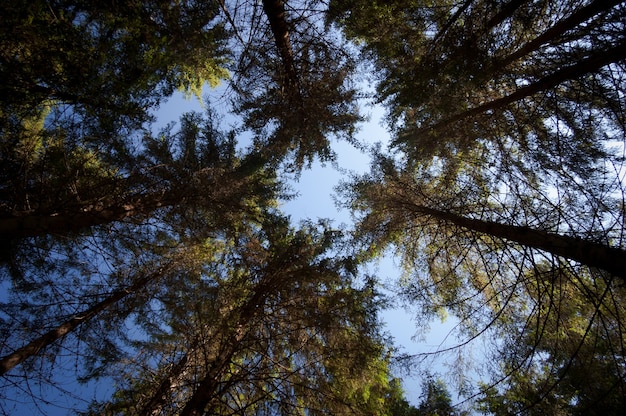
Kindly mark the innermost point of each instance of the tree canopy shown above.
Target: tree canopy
(507, 123)
(153, 257)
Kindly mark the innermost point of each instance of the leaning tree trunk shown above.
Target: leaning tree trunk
(81, 217)
(200, 188)
(569, 23)
(591, 64)
(206, 389)
(588, 253)
(275, 12)
(35, 346)
(166, 386)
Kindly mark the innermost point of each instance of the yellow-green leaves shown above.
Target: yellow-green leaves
(191, 79)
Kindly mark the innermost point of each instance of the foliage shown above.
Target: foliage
(504, 118)
(136, 53)
(294, 91)
(437, 401)
(158, 259)
(569, 359)
(278, 331)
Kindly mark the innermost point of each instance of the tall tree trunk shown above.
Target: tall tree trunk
(610, 259)
(580, 16)
(81, 217)
(32, 348)
(205, 390)
(208, 386)
(589, 65)
(203, 189)
(154, 405)
(275, 12)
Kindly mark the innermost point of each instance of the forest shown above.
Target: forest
(147, 266)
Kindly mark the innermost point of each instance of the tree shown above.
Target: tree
(283, 333)
(501, 192)
(392, 203)
(508, 77)
(292, 80)
(437, 401)
(462, 261)
(569, 359)
(70, 282)
(503, 115)
(79, 83)
(73, 191)
(92, 202)
(105, 159)
(35, 346)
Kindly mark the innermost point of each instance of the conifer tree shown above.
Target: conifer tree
(504, 117)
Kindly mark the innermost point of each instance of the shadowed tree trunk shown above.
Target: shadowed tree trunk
(81, 217)
(588, 65)
(35, 346)
(166, 386)
(610, 259)
(207, 387)
(275, 12)
(201, 190)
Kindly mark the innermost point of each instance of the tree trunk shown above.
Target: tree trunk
(275, 12)
(578, 17)
(207, 388)
(205, 391)
(31, 225)
(591, 64)
(82, 217)
(153, 407)
(32, 348)
(591, 254)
